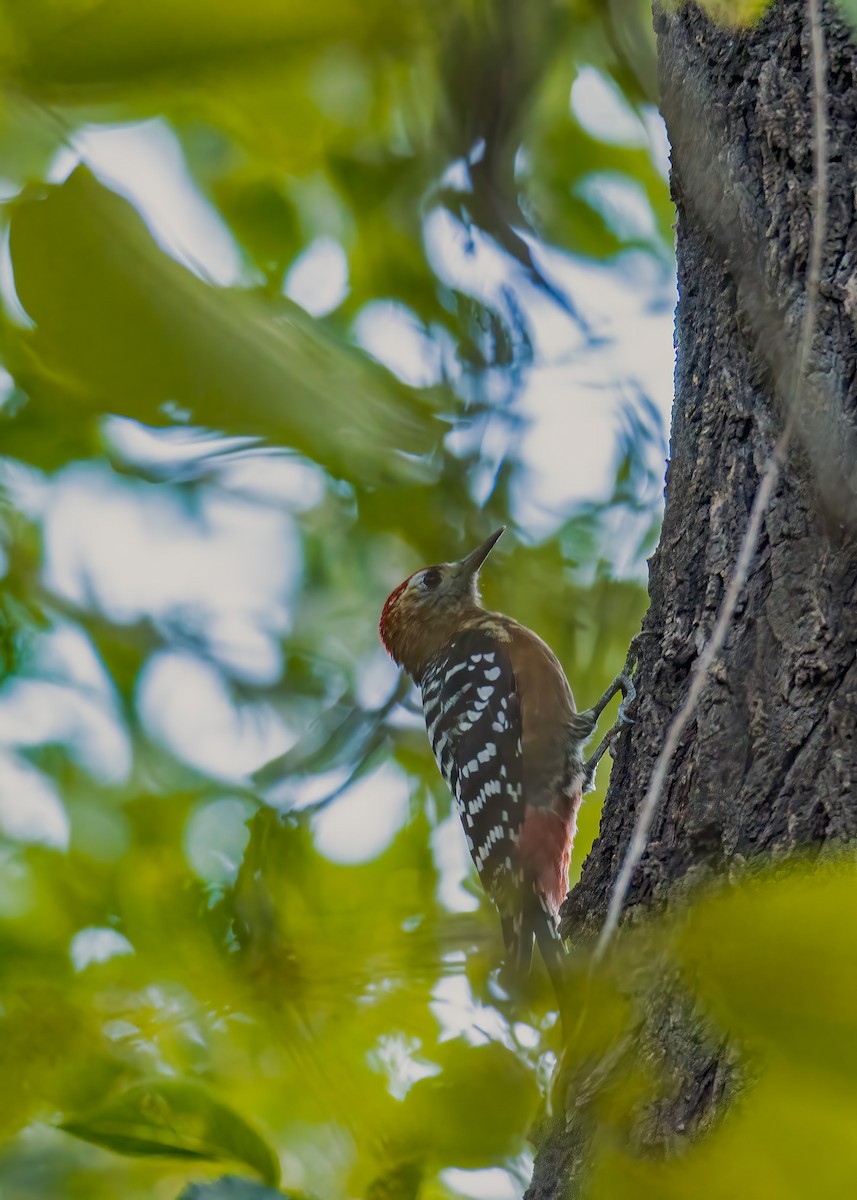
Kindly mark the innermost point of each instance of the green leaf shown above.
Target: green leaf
(735, 12)
(774, 962)
(790, 1137)
(848, 8)
(475, 1113)
(179, 1120)
(263, 218)
(78, 48)
(742, 947)
(121, 326)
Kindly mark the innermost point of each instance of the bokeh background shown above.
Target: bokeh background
(294, 299)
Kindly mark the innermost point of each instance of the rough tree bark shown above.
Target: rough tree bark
(770, 764)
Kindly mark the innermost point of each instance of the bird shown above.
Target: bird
(502, 723)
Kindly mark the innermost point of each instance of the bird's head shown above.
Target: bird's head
(426, 610)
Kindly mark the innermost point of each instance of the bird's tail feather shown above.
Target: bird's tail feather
(555, 957)
(534, 924)
(518, 935)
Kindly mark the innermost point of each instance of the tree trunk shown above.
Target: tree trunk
(769, 766)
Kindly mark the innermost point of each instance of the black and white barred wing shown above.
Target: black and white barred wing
(473, 717)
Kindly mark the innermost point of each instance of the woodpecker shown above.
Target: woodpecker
(508, 740)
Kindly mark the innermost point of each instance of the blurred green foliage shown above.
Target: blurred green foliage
(774, 966)
(188, 979)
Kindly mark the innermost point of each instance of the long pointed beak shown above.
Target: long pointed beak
(468, 567)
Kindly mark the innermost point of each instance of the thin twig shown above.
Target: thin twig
(767, 484)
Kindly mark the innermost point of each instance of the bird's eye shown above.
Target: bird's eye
(431, 579)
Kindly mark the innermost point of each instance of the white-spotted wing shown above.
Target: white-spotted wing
(473, 718)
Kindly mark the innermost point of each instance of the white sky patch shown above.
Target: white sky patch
(226, 567)
(658, 140)
(622, 202)
(7, 387)
(12, 304)
(215, 837)
(318, 278)
(97, 945)
(570, 398)
(28, 488)
(284, 479)
(602, 110)
(526, 1035)
(395, 1056)
(362, 822)
(30, 807)
(456, 176)
(239, 464)
(67, 697)
(453, 859)
(185, 704)
(375, 679)
(491, 1184)
(569, 426)
(143, 161)
(9, 188)
(631, 288)
(395, 338)
(65, 652)
(297, 792)
(408, 718)
(33, 712)
(459, 1014)
(171, 447)
(467, 259)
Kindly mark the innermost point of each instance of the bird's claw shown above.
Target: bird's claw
(611, 738)
(629, 696)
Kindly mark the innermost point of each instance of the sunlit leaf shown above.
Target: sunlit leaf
(789, 1134)
(736, 12)
(775, 966)
(475, 1113)
(83, 46)
(753, 936)
(120, 323)
(177, 1119)
(849, 11)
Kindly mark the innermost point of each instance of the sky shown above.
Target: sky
(128, 545)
